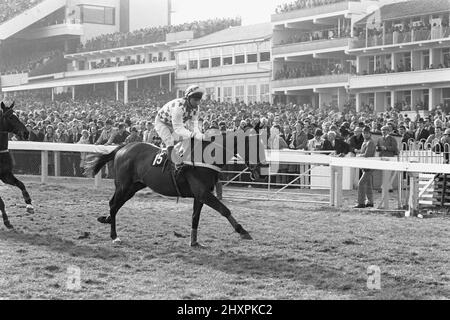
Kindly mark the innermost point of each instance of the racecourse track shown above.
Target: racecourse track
(299, 251)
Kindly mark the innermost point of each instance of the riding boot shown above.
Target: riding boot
(176, 167)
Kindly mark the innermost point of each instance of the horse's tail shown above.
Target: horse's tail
(97, 162)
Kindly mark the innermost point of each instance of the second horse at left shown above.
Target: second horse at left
(10, 123)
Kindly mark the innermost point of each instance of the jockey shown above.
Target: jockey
(173, 116)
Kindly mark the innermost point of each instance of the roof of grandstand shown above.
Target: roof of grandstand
(409, 9)
(232, 34)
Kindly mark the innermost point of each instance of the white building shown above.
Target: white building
(311, 63)
(233, 64)
(403, 61)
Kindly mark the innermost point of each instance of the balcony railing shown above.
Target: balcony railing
(311, 81)
(398, 79)
(310, 46)
(401, 37)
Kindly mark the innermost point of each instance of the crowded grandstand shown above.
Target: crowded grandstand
(303, 100)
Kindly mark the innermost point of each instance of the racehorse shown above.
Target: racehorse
(135, 169)
(10, 123)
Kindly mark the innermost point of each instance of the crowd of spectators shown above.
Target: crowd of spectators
(400, 33)
(328, 34)
(156, 34)
(95, 119)
(11, 8)
(303, 4)
(126, 62)
(312, 69)
(26, 62)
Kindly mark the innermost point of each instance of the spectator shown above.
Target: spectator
(387, 145)
(365, 190)
(134, 136)
(356, 140)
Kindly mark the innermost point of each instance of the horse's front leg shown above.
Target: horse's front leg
(4, 216)
(12, 180)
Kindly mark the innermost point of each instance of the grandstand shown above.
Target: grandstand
(233, 64)
(64, 46)
(403, 60)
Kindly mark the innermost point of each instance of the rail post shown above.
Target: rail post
(44, 164)
(57, 158)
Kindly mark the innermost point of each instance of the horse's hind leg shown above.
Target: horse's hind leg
(12, 180)
(205, 196)
(195, 220)
(122, 195)
(4, 216)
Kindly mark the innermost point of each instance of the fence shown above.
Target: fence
(300, 173)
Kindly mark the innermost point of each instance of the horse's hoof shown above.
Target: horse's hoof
(197, 245)
(9, 226)
(30, 209)
(105, 220)
(246, 236)
(117, 241)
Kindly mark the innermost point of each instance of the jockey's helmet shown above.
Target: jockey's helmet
(194, 91)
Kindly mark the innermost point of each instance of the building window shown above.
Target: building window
(215, 62)
(210, 93)
(227, 61)
(193, 64)
(204, 63)
(98, 14)
(252, 58)
(264, 56)
(239, 59)
(264, 93)
(227, 94)
(251, 93)
(239, 93)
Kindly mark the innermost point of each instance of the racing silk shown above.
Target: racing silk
(176, 113)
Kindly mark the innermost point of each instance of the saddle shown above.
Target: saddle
(162, 160)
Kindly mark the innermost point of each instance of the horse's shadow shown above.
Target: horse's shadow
(277, 267)
(59, 245)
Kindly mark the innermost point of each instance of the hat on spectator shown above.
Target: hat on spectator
(421, 120)
(385, 128)
(447, 131)
(109, 121)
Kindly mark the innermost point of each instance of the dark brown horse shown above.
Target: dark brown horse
(141, 165)
(9, 123)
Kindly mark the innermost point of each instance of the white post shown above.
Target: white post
(358, 102)
(117, 91)
(338, 185)
(413, 195)
(170, 82)
(125, 91)
(57, 158)
(44, 166)
(73, 92)
(393, 98)
(332, 185)
(53, 94)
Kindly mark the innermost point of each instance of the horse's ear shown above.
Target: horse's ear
(12, 106)
(3, 106)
